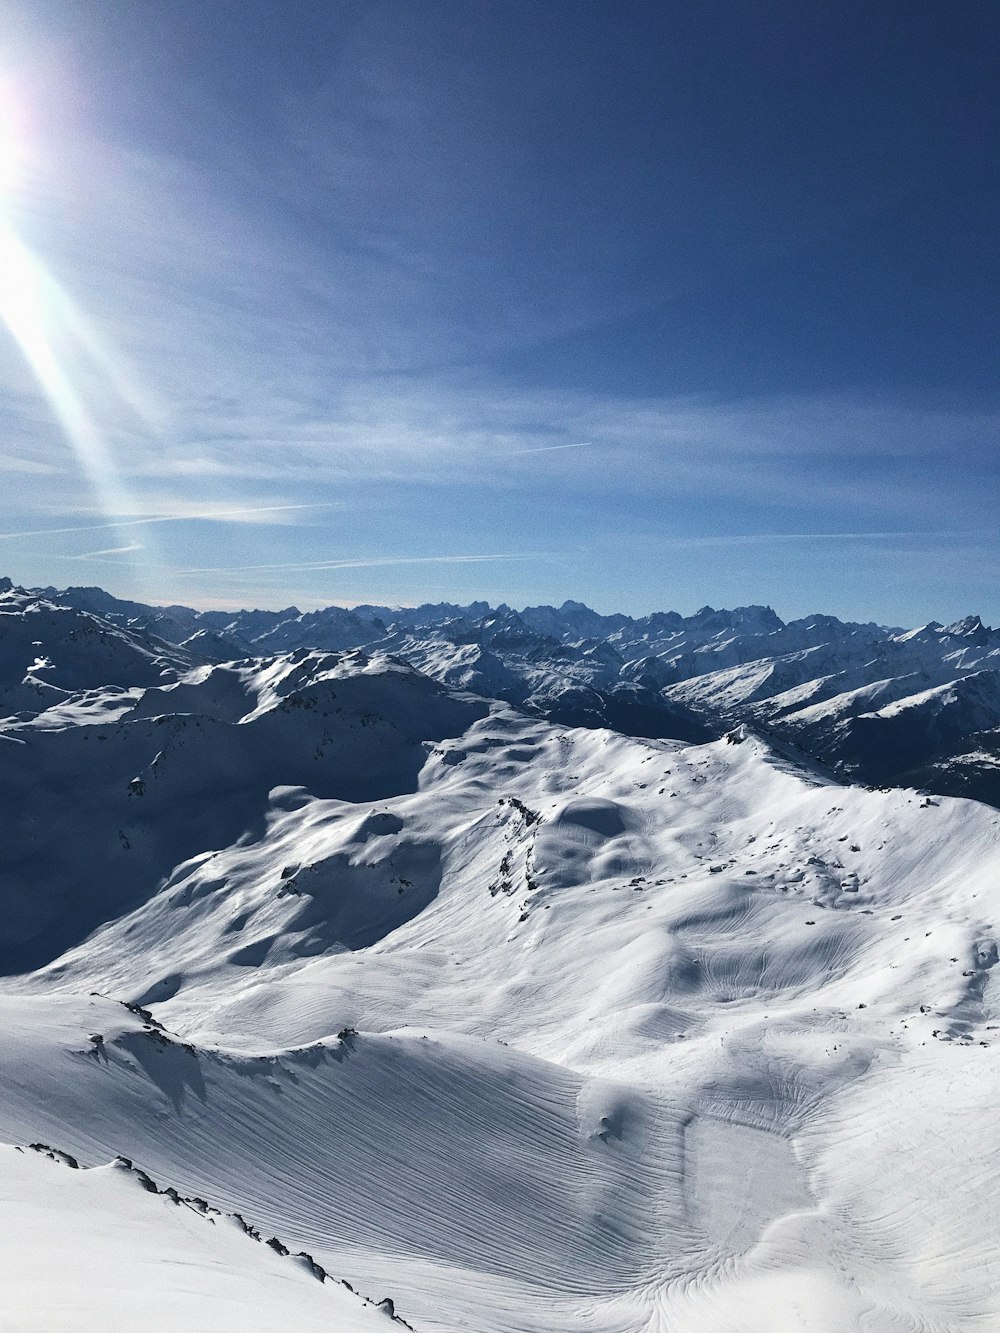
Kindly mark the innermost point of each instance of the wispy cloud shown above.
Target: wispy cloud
(788, 450)
(373, 562)
(12, 463)
(191, 512)
(109, 550)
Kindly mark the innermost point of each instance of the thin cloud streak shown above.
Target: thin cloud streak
(550, 448)
(108, 550)
(761, 538)
(216, 516)
(373, 563)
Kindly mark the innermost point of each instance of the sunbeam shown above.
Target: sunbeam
(30, 304)
(54, 337)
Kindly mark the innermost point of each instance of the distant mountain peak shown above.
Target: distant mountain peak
(969, 627)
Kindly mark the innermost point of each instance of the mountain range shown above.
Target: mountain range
(355, 984)
(879, 705)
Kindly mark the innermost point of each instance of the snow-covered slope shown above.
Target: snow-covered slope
(525, 1027)
(104, 1248)
(50, 653)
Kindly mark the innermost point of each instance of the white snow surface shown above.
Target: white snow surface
(101, 1249)
(527, 1028)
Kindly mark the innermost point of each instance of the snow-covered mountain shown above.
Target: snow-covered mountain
(319, 968)
(879, 705)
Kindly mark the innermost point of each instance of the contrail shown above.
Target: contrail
(548, 448)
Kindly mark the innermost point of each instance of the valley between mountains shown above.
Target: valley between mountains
(497, 971)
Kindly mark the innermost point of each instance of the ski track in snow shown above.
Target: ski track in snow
(632, 1035)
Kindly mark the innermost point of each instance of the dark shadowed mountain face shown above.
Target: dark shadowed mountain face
(878, 705)
(188, 762)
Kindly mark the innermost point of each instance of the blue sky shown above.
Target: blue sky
(645, 304)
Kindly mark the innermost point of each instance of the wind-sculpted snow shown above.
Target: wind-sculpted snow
(528, 1028)
(99, 816)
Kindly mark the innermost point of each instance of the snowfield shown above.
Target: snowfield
(516, 1026)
